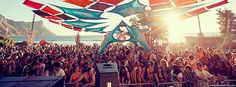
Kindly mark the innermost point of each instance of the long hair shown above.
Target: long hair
(164, 60)
(176, 69)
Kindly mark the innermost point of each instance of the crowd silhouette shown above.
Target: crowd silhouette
(195, 66)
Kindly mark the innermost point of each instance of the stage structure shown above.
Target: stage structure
(110, 16)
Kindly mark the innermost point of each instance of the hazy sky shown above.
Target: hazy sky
(14, 9)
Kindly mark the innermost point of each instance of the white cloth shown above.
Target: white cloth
(61, 72)
(203, 82)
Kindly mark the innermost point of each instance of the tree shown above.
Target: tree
(146, 22)
(227, 22)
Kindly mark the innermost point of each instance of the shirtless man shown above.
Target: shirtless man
(88, 77)
(75, 76)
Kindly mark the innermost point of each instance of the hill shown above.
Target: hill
(10, 27)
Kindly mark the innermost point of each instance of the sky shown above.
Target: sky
(15, 10)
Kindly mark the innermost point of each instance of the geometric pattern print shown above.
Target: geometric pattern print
(92, 10)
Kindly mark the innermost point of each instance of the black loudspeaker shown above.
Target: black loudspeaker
(106, 75)
(37, 81)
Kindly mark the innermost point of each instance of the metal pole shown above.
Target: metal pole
(200, 32)
(32, 26)
(31, 37)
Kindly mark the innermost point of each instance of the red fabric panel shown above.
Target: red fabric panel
(64, 16)
(217, 4)
(154, 2)
(54, 22)
(77, 28)
(100, 6)
(114, 2)
(50, 10)
(82, 3)
(32, 4)
(66, 26)
(185, 2)
(53, 17)
(197, 11)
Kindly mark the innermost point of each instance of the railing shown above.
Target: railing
(225, 83)
(138, 85)
(74, 85)
(78, 85)
(171, 84)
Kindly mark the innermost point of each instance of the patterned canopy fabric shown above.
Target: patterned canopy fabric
(92, 17)
(81, 13)
(50, 10)
(82, 3)
(93, 10)
(128, 9)
(32, 4)
(80, 23)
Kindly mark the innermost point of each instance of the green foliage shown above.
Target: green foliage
(7, 41)
(227, 22)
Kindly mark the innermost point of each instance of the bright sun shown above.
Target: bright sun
(172, 22)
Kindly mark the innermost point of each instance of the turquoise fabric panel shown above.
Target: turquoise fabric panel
(81, 13)
(133, 7)
(81, 24)
(95, 29)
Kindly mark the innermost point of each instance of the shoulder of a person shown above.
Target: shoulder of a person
(196, 71)
(61, 70)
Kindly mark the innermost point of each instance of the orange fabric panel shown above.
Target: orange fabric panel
(50, 10)
(54, 22)
(185, 2)
(197, 11)
(154, 2)
(66, 26)
(82, 3)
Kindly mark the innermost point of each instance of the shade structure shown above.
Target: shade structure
(93, 10)
(92, 17)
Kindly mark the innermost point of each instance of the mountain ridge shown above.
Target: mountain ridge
(9, 27)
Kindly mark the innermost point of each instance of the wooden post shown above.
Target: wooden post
(200, 35)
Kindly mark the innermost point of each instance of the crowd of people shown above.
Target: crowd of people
(197, 67)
